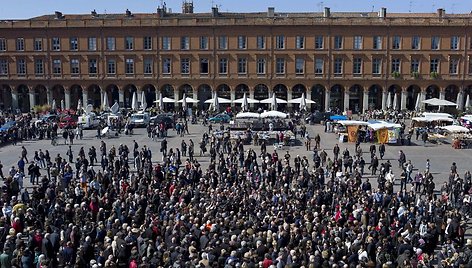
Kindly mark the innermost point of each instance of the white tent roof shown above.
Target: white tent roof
(353, 123)
(249, 100)
(270, 100)
(188, 100)
(248, 115)
(437, 114)
(439, 102)
(220, 100)
(382, 124)
(299, 100)
(432, 118)
(273, 114)
(455, 129)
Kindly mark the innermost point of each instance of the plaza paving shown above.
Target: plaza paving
(441, 156)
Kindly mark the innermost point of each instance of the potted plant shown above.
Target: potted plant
(396, 74)
(415, 75)
(434, 75)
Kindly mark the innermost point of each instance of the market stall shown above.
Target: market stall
(384, 132)
(461, 136)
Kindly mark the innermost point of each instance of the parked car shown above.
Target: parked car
(167, 120)
(67, 122)
(89, 120)
(220, 118)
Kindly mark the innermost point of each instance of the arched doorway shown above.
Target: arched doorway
(261, 92)
(375, 97)
(318, 96)
(223, 91)
(128, 93)
(412, 95)
(395, 97)
(113, 93)
(58, 94)
(336, 98)
(23, 98)
(239, 91)
(203, 93)
(432, 91)
(150, 94)
(168, 91)
(94, 96)
(355, 98)
(76, 94)
(5, 98)
(298, 90)
(451, 92)
(40, 95)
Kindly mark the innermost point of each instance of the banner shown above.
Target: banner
(393, 135)
(352, 133)
(382, 135)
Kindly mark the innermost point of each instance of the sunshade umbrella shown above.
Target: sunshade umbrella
(62, 105)
(273, 103)
(248, 115)
(389, 100)
(303, 102)
(439, 102)
(457, 100)
(53, 105)
(241, 100)
(395, 101)
(216, 103)
(245, 103)
(115, 108)
(273, 114)
(161, 102)
(143, 101)
(134, 102)
(184, 102)
(79, 105)
(105, 105)
(467, 102)
(417, 105)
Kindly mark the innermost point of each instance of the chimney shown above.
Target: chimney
(94, 13)
(58, 15)
(383, 12)
(441, 12)
(270, 12)
(187, 7)
(327, 12)
(214, 11)
(128, 13)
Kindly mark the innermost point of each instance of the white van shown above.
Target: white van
(88, 121)
(140, 119)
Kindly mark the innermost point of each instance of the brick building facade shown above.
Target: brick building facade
(345, 60)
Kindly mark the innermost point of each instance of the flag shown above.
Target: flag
(352, 133)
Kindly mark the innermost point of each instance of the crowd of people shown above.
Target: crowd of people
(129, 206)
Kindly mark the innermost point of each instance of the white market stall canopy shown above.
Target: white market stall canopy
(187, 100)
(273, 114)
(220, 100)
(437, 115)
(249, 100)
(439, 102)
(270, 100)
(456, 129)
(432, 119)
(376, 125)
(353, 123)
(248, 115)
(299, 100)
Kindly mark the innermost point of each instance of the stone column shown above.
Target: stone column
(327, 99)
(422, 98)
(290, 97)
(346, 100)
(403, 100)
(384, 99)
(176, 97)
(251, 95)
(67, 98)
(442, 94)
(32, 99)
(365, 100)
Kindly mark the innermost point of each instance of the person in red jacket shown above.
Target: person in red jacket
(267, 261)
